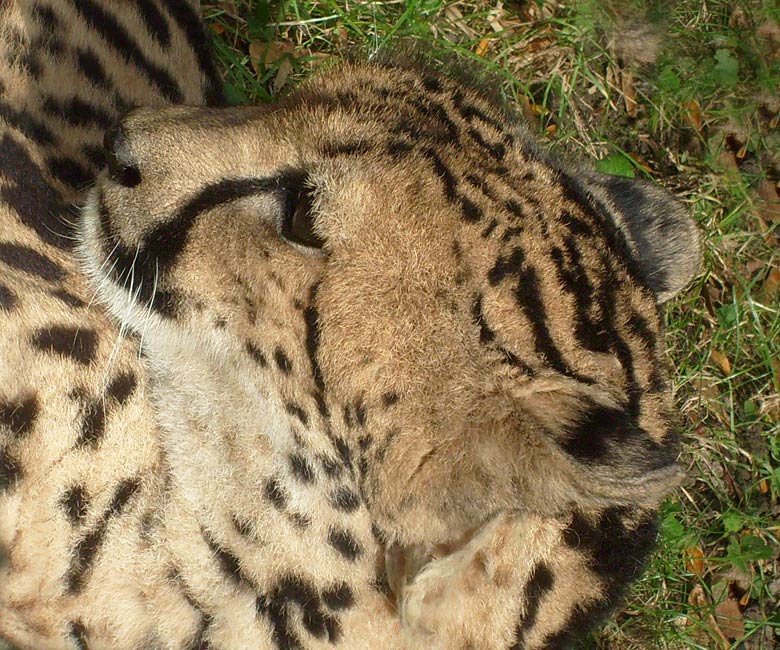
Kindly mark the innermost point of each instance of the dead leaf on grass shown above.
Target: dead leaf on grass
(482, 48)
(692, 113)
(697, 597)
(263, 55)
(729, 619)
(285, 68)
(769, 202)
(694, 560)
(721, 360)
(771, 284)
(753, 266)
(629, 93)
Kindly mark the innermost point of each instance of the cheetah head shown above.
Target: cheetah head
(386, 257)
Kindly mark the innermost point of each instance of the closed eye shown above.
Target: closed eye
(298, 218)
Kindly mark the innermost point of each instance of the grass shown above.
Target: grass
(682, 92)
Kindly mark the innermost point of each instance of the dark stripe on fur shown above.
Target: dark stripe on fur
(539, 584)
(162, 246)
(70, 172)
(90, 66)
(155, 22)
(87, 547)
(78, 112)
(198, 40)
(117, 37)
(617, 554)
(30, 261)
(27, 125)
(25, 189)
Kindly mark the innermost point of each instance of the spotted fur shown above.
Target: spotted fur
(366, 368)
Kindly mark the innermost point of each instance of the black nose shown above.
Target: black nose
(121, 166)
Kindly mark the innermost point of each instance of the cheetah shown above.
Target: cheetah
(363, 368)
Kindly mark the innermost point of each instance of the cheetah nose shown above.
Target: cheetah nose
(121, 166)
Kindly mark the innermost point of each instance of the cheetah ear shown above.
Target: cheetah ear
(662, 235)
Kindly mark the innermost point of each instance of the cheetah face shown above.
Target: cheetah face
(479, 325)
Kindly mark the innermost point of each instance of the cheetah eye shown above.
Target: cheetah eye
(298, 221)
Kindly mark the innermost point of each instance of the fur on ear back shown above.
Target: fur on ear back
(662, 235)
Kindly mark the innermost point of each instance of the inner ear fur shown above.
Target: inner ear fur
(663, 237)
(586, 449)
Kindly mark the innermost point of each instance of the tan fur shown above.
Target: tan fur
(304, 425)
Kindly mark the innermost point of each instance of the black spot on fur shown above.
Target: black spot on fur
(31, 262)
(275, 493)
(469, 111)
(617, 552)
(243, 527)
(343, 450)
(470, 211)
(282, 361)
(313, 340)
(360, 413)
(300, 520)
(330, 466)
(10, 470)
(301, 469)
(46, 17)
(75, 502)
(486, 334)
(431, 83)
(276, 606)
(488, 230)
(345, 499)
(345, 544)
(576, 225)
(228, 562)
(444, 173)
(93, 426)
(7, 298)
(294, 409)
(256, 354)
(76, 344)
(389, 399)
(348, 419)
(539, 584)
(19, 416)
(122, 387)
(339, 596)
(78, 633)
